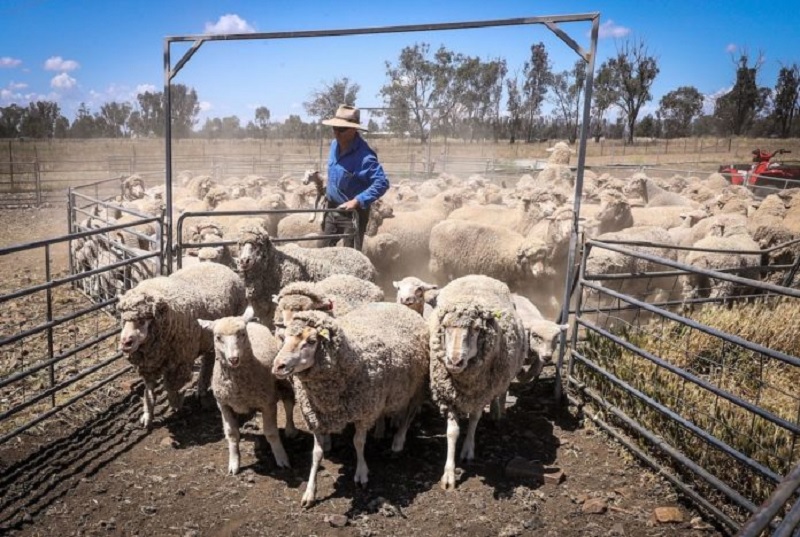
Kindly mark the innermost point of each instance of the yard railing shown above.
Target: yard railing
(702, 390)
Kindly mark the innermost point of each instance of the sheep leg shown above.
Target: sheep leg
(288, 408)
(231, 427)
(148, 402)
(399, 440)
(468, 449)
(448, 481)
(269, 425)
(359, 440)
(316, 458)
(380, 428)
(204, 380)
(498, 406)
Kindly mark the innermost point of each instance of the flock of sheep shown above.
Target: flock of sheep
(478, 270)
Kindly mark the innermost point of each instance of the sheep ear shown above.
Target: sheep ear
(324, 334)
(563, 327)
(205, 325)
(275, 299)
(396, 285)
(429, 287)
(249, 314)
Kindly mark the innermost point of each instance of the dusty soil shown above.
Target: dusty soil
(95, 471)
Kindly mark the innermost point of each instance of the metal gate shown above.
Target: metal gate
(703, 390)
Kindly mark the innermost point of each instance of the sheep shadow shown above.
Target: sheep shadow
(49, 473)
(396, 480)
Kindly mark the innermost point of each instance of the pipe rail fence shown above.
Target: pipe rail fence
(689, 386)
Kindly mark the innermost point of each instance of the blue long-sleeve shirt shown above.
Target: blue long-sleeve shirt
(355, 174)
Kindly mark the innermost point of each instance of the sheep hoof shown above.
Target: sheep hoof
(146, 421)
(307, 501)
(448, 483)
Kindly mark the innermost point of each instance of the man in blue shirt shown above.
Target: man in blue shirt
(355, 178)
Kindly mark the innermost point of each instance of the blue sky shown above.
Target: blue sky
(94, 51)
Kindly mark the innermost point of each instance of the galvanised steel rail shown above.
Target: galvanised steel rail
(626, 390)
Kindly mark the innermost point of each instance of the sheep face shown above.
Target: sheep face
(461, 345)
(311, 175)
(134, 333)
(136, 191)
(249, 255)
(298, 351)
(411, 292)
(230, 339)
(531, 255)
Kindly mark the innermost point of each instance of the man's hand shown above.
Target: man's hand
(351, 205)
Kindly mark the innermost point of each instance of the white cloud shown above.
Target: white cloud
(205, 106)
(5, 61)
(57, 63)
(609, 29)
(63, 82)
(144, 88)
(17, 85)
(229, 24)
(731, 48)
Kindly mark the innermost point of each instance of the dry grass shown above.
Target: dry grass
(747, 375)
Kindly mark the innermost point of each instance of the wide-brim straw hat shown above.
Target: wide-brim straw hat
(346, 116)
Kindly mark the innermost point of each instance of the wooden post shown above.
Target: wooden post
(11, 164)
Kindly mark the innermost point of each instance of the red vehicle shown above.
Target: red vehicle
(764, 175)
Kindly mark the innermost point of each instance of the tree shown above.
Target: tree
(324, 102)
(116, 117)
(787, 99)
(84, 125)
(567, 88)
(411, 91)
(537, 76)
(738, 108)
(632, 72)
(43, 119)
(604, 95)
(678, 108)
(10, 120)
(262, 120)
(648, 127)
(148, 120)
(514, 107)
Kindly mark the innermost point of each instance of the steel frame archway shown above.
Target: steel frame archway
(551, 22)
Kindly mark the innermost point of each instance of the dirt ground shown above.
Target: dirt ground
(542, 471)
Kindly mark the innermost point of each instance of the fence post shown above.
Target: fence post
(37, 177)
(11, 164)
(50, 345)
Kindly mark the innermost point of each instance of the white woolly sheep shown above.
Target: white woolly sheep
(243, 382)
(477, 347)
(544, 338)
(357, 368)
(338, 294)
(160, 335)
(267, 269)
(415, 294)
(653, 195)
(459, 248)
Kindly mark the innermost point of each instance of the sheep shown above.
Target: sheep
(243, 382)
(556, 171)
(417, 295)
(602, 261)
(267, 269)
(652, 194)
(313, 177)
(160, 335)
(356, 368)
(338, 294)
(745, 265)
(133, 188)
(477, 347)
(492, 250)
(543, 337)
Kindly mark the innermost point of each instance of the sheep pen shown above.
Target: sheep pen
(153, 495)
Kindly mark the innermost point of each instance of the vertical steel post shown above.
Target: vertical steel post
(167, 243)
(573, 239)
(49, 294)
